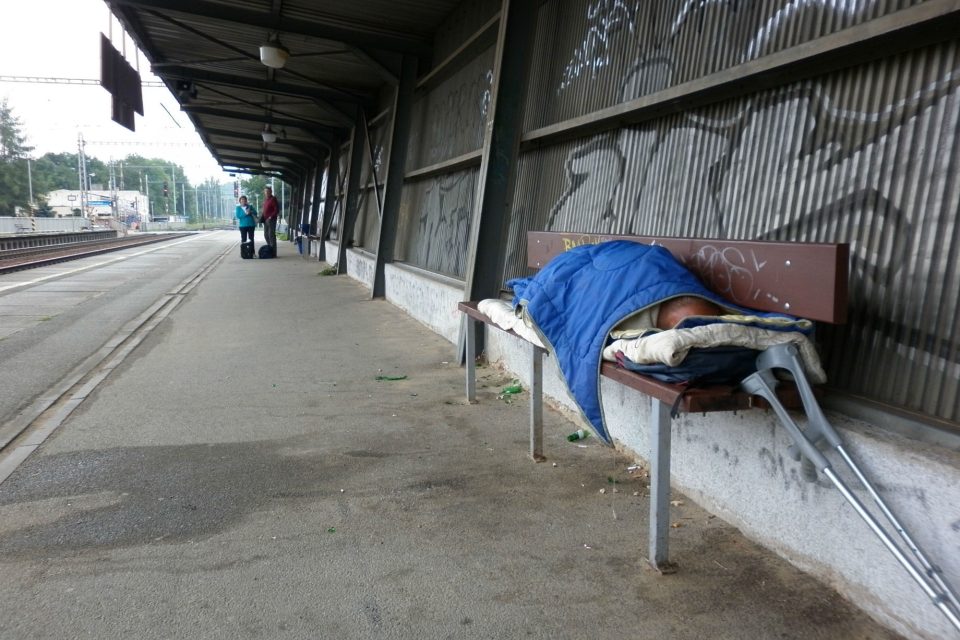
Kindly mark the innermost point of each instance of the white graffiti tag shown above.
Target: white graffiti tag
(604, 18)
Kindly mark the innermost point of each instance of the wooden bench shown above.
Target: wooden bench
(808, 280)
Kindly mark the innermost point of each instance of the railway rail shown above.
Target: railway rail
(32, 257)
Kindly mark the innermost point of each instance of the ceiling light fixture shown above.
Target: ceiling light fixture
(268, 134)
(273, 54)
(186, 91)
(265, 162)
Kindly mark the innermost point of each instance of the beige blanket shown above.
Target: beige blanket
(502, 314)
(671, 347)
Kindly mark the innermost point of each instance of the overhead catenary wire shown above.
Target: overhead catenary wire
(152, 84)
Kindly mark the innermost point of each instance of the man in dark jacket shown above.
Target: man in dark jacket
(271, 209)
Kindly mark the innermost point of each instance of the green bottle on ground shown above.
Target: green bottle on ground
(579, 434)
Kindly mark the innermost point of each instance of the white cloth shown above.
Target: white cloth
(502, 314)
(671, 347)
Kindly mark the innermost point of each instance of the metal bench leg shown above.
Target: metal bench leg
(536, 404)
(471, 359)
(660, 487)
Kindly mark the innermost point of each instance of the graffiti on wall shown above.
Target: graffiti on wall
(861, 156)
(605, 18)
(443, 224)
(452, 118)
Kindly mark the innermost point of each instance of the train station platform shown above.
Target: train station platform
(282, 457)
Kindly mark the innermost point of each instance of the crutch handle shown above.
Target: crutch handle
(762, 383)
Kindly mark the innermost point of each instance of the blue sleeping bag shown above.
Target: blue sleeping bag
(582, 294)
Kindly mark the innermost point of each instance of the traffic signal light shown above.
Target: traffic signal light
(236, 188)
(166, 192)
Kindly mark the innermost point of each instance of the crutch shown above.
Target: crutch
(763, 383)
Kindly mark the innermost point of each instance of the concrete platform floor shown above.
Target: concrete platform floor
(245, 475)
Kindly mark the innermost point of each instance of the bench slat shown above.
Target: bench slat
(705, 400)
(808, 280)
(470, 309)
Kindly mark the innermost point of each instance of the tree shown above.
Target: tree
(43, 210)
(53, 171)
(12, 140)
(252, 187)
(14, 183)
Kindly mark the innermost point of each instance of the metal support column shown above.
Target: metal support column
(393, 193)
(317, 195)
(501, 144)
(351, 208)
(472, 326)
(294, 219)
(660, 487)
(536, 403)
(329, 198)
(305, 204)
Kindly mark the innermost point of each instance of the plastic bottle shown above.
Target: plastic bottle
(579, 434)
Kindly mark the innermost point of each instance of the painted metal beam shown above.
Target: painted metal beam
(265, 152)
(485, 36)
(322, 95)
(351, 210)
(317, 129)
(317, 195)
(303, 146)
(487, 240)
(254, 162)
(367, 58)
(469, 159)
(393, 191)
(380, 39)
(330, 198)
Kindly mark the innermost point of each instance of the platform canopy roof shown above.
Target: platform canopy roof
(342, 55)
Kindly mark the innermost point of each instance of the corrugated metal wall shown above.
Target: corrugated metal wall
(448, 122)
(592, 55)
(438, 227)
(867, 155)
(448, 119)
(462, 24)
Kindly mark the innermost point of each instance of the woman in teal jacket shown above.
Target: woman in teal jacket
(247, 220)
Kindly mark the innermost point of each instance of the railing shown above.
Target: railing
(26, 241)
(42, 225)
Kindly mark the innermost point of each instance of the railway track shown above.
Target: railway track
(32, 257)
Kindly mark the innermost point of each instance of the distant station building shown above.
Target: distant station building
(129, 206)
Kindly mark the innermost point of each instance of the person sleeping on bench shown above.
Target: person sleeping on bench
(574, 303)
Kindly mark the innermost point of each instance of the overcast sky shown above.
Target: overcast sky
(61, 39)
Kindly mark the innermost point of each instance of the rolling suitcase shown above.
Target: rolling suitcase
(246, 250)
